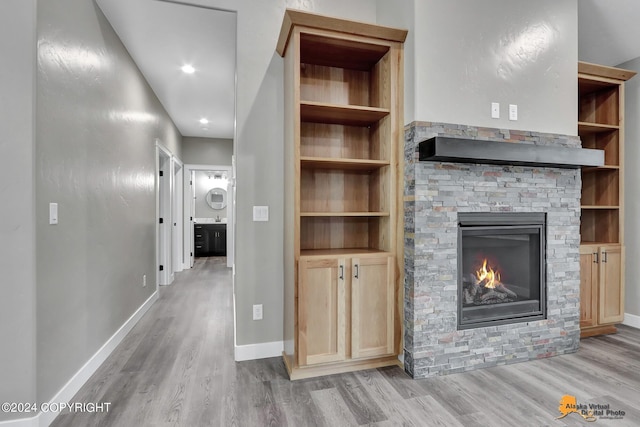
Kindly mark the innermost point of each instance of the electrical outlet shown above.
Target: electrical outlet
(53, 213)
(495, 110)
(257, 312)
(144, 280)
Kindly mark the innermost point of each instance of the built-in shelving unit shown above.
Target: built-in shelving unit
(601, 126)
(343, 214)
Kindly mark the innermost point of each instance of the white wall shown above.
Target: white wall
(17, 195)
(467, 54)
(631, 189)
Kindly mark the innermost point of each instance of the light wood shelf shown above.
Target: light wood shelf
(350, 115)
(343, 164)
(343, 194)
(339, 252)
(601, 127)
(343, 214)
(589, 169)
(585, 127)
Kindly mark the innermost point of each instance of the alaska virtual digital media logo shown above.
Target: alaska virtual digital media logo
(589, 412)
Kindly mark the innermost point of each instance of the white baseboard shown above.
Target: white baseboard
(631, 320)
(258, 351)
(66, 393)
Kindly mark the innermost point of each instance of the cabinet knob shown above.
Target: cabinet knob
(604, 256)
(342, 272)
(595, 257)
(356, 270)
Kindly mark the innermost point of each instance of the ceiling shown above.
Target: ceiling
(608, 31)
(161, 37)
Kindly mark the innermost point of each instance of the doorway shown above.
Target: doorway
(164, 178)
(208, 211)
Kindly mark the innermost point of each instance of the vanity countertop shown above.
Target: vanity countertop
(209, 221)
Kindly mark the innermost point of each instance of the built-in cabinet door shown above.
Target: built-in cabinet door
(218, 235)
(372, 306)
(321, 311)
(589, 260)
(611, 308)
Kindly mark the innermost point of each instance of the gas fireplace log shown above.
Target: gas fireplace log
(503, 288)
(492, 294)
(476, 291)
(499, 293)
(469, 279)
(468, 298)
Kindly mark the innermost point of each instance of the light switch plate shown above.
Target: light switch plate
(257, 312)
(513, 112)
(53, 213)
(495, 110)
(261, 213)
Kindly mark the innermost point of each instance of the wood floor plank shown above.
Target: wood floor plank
(497, 400)
(358, 399)
(631, 417)
(433, 413)
(476, 419)
(333, 407)
(402, 383)
(176, 368)
(453, 397)
(295, 399)
(388, 399)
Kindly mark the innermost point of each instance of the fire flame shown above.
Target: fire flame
(490, 277)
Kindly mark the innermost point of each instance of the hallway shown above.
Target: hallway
(176, 368)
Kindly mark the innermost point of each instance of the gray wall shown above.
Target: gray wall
(547, 100)
(631, 189)
(207, 151)
(97, 121)
(259, 154)
(17, 233)
(467, 54)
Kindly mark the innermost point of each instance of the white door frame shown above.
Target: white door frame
(189, 189)
(165, 187)
(177, 212)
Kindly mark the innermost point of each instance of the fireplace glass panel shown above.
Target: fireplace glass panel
(501, 272)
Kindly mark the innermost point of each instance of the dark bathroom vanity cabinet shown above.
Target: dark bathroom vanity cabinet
(210, 239)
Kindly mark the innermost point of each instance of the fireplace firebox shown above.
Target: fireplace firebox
(501, 268)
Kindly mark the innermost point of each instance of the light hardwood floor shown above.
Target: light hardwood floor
(176, 368)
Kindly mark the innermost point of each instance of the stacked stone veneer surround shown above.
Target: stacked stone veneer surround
(434, 194)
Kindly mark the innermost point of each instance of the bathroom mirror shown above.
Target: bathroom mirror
(217, 198)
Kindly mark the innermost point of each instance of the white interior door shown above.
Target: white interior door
(163, 220)
(176, 214)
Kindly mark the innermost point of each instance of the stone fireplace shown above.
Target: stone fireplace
(448, 210)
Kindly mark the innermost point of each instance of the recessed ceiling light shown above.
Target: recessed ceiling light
(188, 68)
(204, 121)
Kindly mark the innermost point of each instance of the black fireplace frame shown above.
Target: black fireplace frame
(485, 221)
